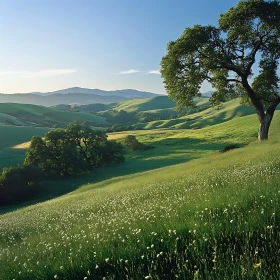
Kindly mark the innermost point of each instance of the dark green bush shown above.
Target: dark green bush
(229, 147)
(19, 183)
(131, 142)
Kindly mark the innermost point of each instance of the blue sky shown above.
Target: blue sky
(47, 45)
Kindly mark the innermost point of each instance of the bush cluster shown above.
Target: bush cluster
(131, 142)
(229, 147)
(18, 183)
(74, 150)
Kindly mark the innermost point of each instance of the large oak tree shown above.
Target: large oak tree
(246, 36)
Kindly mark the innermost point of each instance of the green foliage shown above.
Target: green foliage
(72, 150)
(224, 56)
(118, 128)
(109, 151)
(118, 117)
(19, 183)
(131, 142)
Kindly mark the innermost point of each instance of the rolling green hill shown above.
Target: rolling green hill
(140, 105)
(138, 110)
(215, 215)
(155, 103)
(143, 110)
(210, 116)
(26, 114)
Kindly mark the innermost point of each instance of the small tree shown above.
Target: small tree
(132, 142)
(225, 55)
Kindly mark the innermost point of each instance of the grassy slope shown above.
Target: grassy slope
(159, 103)
(171, 147)
(210, 218)
(209, 116)
(140, 105)
(160, 107)
(14, 135)
(33, 114)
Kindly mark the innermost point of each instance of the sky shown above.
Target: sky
(46, 45)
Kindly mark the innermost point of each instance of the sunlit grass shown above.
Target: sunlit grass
(212, 218)
(210, 116)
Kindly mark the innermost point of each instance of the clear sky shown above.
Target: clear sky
(47, 45)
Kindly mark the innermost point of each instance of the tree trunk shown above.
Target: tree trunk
(264, 127)
(265, 120)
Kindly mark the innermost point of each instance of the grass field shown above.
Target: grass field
(26, 114)
(214, 216)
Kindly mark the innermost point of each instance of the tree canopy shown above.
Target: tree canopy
(73, 150)
(224, 55)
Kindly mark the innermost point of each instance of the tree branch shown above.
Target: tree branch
(234, 80)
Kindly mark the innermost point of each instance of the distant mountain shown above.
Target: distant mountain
(55, 99)
(75, 95)
(128, 93)
(207, 94)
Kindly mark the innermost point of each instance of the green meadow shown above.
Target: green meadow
(181, 210)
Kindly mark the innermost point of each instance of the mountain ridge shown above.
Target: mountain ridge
(75, 95)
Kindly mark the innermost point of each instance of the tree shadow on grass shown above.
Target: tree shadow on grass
(169, 151)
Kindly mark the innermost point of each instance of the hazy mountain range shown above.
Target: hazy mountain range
(75, 95)
(78, 96)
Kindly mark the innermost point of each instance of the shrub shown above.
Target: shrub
(19, 183)
(229, 147)
(131, 142)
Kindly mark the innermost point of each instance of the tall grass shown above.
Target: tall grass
(213, 218)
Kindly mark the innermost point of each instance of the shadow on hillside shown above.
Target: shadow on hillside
(166, 152)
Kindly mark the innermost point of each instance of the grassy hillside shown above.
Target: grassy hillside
(151, 104)
(210, 116)
(26, 114)
(145, 110)
(15, 135)
(140, 105)
(214, 217)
